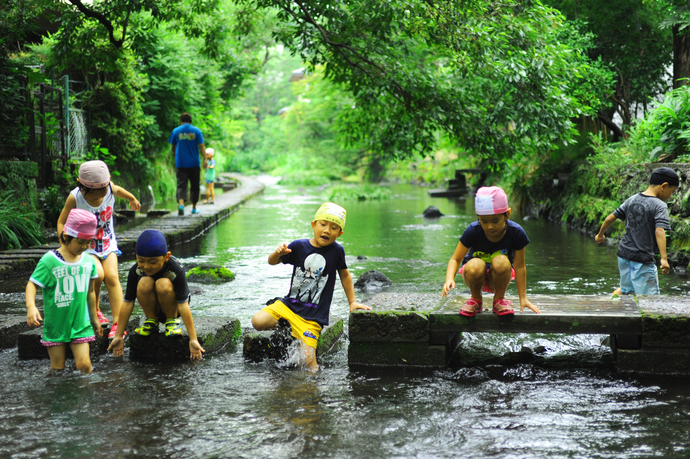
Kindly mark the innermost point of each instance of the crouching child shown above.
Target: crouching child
(316, 261)
(158, 281)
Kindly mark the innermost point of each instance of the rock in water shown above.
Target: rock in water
(372, 281)
(432, 212)
(207, 273)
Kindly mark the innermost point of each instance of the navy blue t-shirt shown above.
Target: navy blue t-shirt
(313, 278)
(479, 246)
(171, 270)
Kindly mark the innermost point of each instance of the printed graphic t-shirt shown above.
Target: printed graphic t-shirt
(186, 139)
(105, 241)
(643, 215)
(480, 246)
(170, 270)
(313, 278)
(65, 289)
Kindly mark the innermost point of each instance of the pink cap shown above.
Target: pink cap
(490, 200)
(210, 151)
(94, 174)
(81, 224)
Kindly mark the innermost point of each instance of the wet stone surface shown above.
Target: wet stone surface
(214, 334)
(276, 344)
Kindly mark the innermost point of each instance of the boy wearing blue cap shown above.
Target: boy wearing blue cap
(315, 261)
(646, 222)
(158, 281)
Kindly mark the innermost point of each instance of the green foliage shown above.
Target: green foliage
(666, 130)
(357, 192)
(52, 201)
(490, 74)
(19, 224)
(628, 39)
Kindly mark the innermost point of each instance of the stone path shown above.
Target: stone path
(177, 230)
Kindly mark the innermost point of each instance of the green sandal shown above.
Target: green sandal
(173, 327)
(149, 326)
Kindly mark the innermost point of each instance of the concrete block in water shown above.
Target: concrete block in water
(214, 333)
(656, 361)
(397, 354)
(388, 327)
(10, 328)
(29, 343)
(275, 344)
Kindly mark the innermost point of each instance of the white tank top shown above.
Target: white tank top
(105, 241)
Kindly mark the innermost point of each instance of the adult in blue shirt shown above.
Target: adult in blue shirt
(187, 144)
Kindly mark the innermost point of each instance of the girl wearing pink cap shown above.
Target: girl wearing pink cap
(96, 194)
(67, 277)
(491, 252)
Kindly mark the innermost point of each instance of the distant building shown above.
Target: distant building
(298, 74)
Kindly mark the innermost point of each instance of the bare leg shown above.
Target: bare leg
(264, 321)
(57, 357)
(82, 358)
(309, 354)
(112, 283)
(166, 297)
(146, 295)
(474, 276)
(99, 281)
(499, 276)
(212, 188)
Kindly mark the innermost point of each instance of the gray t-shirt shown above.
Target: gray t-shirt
(643, 215)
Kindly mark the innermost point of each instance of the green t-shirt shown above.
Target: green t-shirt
(65, 289)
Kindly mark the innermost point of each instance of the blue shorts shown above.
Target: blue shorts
(638, 278)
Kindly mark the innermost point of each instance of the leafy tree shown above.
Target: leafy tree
(491, 74)
(630, 40)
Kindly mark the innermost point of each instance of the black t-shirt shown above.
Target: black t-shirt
(313, 278)
(171, 270)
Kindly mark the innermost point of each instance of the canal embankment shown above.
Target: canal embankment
(177, 229)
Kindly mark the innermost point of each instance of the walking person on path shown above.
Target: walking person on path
(187, 144)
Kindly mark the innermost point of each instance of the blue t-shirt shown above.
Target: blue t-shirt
(186, 139)
(313, 278)
(480, 247)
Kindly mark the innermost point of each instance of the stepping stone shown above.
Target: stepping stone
(214, 334)
(10, 328)
(29, 345)
(275, 344)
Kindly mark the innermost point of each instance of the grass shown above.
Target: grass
(19, 226)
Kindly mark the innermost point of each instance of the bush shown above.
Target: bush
(19, 226)
(358, 192)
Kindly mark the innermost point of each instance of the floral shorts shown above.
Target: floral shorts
(486, 288)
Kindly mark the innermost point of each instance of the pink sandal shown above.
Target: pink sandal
(475, 305)
(507, 309)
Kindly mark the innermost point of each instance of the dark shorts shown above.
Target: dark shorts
(193, 175)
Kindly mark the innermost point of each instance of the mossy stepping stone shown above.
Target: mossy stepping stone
(210, 274)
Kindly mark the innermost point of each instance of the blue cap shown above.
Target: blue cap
(152, 243)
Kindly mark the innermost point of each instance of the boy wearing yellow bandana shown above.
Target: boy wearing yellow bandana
(315, 261)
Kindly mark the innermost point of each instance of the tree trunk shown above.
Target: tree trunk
(681, 57)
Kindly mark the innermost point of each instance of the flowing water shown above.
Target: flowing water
(571, 404)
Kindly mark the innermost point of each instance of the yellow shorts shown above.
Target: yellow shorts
(307, 331)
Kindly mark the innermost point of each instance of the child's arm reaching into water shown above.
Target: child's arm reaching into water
(453, 266)
(120, 192)
(195, 348)
(117, 345)
(606, 225)
(346, 281)
(521, 281)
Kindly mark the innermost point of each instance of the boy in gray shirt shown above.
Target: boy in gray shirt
(646, 221)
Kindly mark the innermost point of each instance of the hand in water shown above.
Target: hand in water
(195, 350)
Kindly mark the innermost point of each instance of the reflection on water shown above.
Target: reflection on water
(567, 402)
